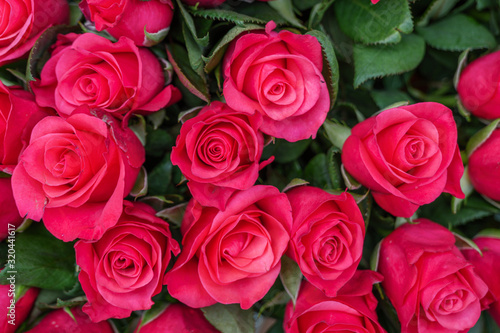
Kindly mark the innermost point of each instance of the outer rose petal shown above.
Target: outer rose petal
(58, 321)
(21, 310)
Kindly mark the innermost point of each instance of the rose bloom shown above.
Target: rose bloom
(484, 167)
(177, 318)
(478, 86)
(231, 256)
(122, 270)
(279, 76)
(17, 313)
(327, 236)
(75, 173)
(486, 266)
(431, 285)
(90, 70)
(219, 152)
(210, 3)
(23, 21)
(59, 321)
(18, 115)
(9, 213)
(352, 310)
(407, 156)
(130, 18)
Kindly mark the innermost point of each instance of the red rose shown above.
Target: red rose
(59, 321)
(279, 76)
(23, 21)
(130, 18)
(75, 173)
(8, 213)
(407, 156)
(352, 310)
(18, 114)
(219, 151)
(478, 86)
(88, 69)
(486, 266)
(231, 256)
(177, 318)
(429, 282)
(122, 270)
(327, 236)
(484, 167)
(13, 314)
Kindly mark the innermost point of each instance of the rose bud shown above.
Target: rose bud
(177, 318)
(13, 312)
(483, 167)
(219, 152)
(131, 18)
(231, 256)
(122, 270)
(59, 321)
(478, 86)
(18, 115)
(327, 236)
(352, 310)
(407, 156)
(118, 78)
(9, 215)
(279, 76)
(431, 285)
(75, 173)
(486, 266)
(23, 21)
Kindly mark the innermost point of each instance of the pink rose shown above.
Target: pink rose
(279, 76)
(484, 167)
(13, 312)
(407, 156)
(219, 152)
(352, 310)
(429, 282)
(177, 318)
(478, 86)
(90, 70)
(75, 173)
(8, 213)
(18, 115)
(486, 266)
(23, 21)
(231, 256)
(122, 270)
(59, 321)
(130, 18)
(327, 236)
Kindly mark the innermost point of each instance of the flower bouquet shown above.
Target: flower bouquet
(249, 166)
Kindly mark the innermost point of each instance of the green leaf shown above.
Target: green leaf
(173, 214)
(202, 41)
(317, 13)
(284, 151)
(480, 137)
(151, 314)
(336, 133)
(230, 318)
(457, 33)
(39, 52)
(334, 167)
(218, 51)
(381, 60)
(436, 10)
(285, 9)
(179, 59)
(463, 242)
(371, 24)
(291, 277)
(467, 188)
(75, 14)
(462, 62)
(194, 53)
(349, 181)
(159, 178)
(41, 260)
(375, 257)
(294, 183)
(227, 15)
(140, 188)
(384, 98)
(317, 172)
(493, 233)
(330, 64)
(153, 38)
